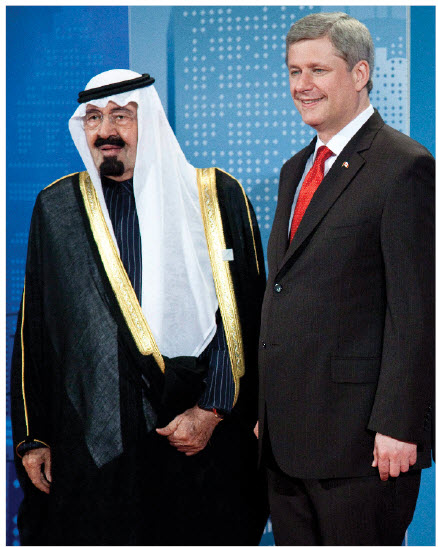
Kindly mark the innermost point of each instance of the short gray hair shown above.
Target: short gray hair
(350, 37)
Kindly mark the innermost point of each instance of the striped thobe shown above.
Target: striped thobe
(119, 198)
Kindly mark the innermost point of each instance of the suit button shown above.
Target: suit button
(278, 287)
(264, 345)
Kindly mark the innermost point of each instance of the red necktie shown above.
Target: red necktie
(310, 184)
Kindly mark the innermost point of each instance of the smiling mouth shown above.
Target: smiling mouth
(309, 102)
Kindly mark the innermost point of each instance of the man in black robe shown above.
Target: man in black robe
(134, 364)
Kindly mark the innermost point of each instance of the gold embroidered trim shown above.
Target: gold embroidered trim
(22, 359)
(42, 442)
(22, 442)
(117, 275)
(214, 234)
(249, 217)
(58, 180)
(17, 447)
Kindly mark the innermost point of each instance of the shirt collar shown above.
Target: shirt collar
(124, 186)
(338, 142)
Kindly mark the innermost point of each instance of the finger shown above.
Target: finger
(48, 467)
(37, 478)
(43, 486)
(192, 452)
(256, 430)
(164, 431)
(179, 440)
(192, 448)
(33, 471)
(413, 457)
(45, 483)
(394, 468)
(384, 469)
(182, 435)
(406, 459)
(404, 466)
(169, 429)
(185, 446)
(375, 456)
(180, 445)
(196, 448)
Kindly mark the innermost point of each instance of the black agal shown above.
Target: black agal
(116, 88)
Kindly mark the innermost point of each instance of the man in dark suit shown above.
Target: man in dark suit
(346, 345)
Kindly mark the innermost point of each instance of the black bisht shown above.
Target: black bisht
(90, 391)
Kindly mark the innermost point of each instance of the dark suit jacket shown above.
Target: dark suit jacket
(346, 345)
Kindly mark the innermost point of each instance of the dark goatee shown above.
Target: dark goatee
(111, 167)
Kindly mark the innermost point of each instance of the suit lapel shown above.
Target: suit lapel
(285, 199)
(333, 185)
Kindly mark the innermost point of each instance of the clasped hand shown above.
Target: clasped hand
(190, 431)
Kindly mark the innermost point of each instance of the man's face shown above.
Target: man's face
(112, 134)
(327, 95)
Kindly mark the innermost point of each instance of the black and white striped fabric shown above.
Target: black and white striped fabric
(219, 389)
(119, 198)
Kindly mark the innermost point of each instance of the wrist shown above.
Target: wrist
(29, 444)
(217, 413)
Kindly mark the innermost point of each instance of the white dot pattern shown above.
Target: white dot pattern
(232, 100)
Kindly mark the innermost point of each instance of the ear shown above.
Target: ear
(361, 74)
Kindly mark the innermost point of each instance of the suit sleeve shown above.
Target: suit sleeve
(405, 391)
(30, 379)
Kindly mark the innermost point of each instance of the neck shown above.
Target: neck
(114, 180)
(125, 176)
(363, 104)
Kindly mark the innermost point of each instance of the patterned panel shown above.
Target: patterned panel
(13, 499)
(52, 52)
(233, 107)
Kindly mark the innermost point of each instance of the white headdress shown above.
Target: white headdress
(178, 295)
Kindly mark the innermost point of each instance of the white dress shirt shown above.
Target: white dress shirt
(336, 144)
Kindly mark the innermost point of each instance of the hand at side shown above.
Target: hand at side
(392, 456)
(33, 462)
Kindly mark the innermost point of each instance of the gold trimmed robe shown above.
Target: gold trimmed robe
(89, 383)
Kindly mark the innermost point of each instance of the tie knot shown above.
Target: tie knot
(323, 154)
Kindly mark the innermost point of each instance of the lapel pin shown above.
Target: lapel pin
(346, 164)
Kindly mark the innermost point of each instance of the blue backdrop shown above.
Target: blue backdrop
(221, 75)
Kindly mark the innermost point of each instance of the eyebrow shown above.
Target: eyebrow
(91, 110)
(124, 108)
(116, 108)
(311, 65)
